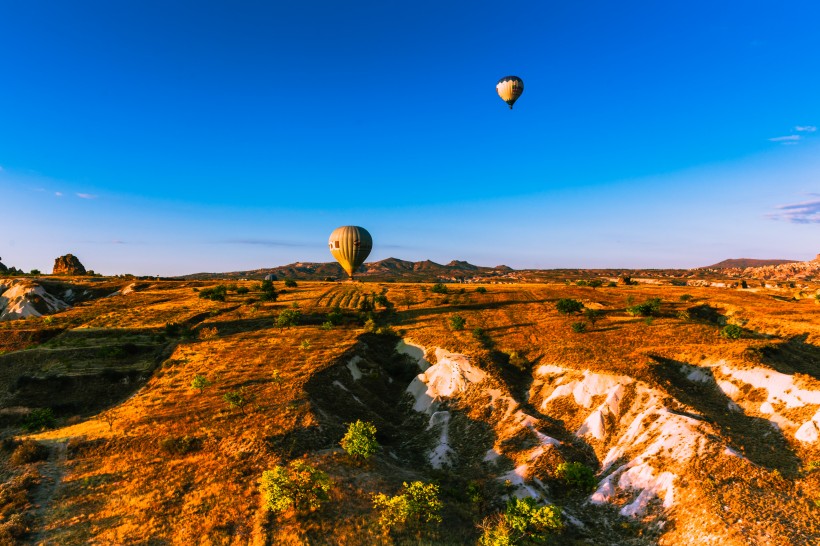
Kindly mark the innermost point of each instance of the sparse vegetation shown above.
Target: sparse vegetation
(481, 290)
(288, 317)
(290, 283)
(593, 315)
(523, 522)
(360, 440)
(237, 399)
(216, 293)
(28, 451)
(579, 327)
(180, 445)
(731, 331)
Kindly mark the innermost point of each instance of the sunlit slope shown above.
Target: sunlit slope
(180, 465)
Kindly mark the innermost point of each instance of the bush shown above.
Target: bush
(592, 315)
(417, 503)
(299, 485)
(181, 445)
(200, 382)
(577, 475)
(236, 399)
(209, 332)
(27, 452)
(216, 293)
(519, 361)
(39, 419)
(290, 283)
(686, 297)
(646, 309)
(522, 522)
(579, 327)
(481, 290)
(287, 318)
(596, 283)
(457, 322)
(242, 290)
(731, 331)
(568, 306)
(360, 440)
(439, 288)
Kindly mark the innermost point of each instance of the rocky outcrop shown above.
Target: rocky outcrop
(3, 268)
(23, 299)
(68, 265)
(790, 271)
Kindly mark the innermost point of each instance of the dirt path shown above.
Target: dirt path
(51, 473)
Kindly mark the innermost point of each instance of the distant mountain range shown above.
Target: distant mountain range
(743, 263)
(390, 268)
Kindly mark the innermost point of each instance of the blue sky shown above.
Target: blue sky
(175, 137)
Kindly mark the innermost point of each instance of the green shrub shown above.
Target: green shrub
(236, 399)
(457, 323)
(523, 522)
(686, 297)
(28, 451)
(439, 288)
(299, 486)
(305, 345)
(481, 290)
(287, 318)
(417, 503)
(596, 283)
(579, 327)
(216, 293)
(360, 440)
(290, 283)
(646, 309)
(581, 282)
(181, 445)
(592, 315)
(612, 284)
(519, 361)
(39, 419)
(568, 306)
(200, 382)
(576, 475)
(242, 290)
(327, 325)
(731, 331)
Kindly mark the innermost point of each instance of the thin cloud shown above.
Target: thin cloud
(58, 193)
(265, 242)
(805, 128)
(807, 212)
(86, 196)
(786, 139)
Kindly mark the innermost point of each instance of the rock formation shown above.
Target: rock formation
(68, 265)
(790, 271)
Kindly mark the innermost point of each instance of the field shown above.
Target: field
(139, 456)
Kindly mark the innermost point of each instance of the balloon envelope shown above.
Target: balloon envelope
(509, 88)
(350, 245)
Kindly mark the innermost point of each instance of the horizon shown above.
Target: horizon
(154, 139)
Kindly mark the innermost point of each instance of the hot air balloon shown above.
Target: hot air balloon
(350, 245)
(509, 88)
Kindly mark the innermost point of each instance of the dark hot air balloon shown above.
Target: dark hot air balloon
(350, 245)
(509, 88)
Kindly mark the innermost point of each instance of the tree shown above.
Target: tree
(592, 315)
(481, 290)
(596, 283)
(439, 288)
(646, 309)
(417, 503)
(299, 485)
(568, 306)
(39, 419)
(290, 283)
(200, 382)
(523, 522)
(731, 331)
(457, 322)
(360, 440)
(579, 327)
(287, 318)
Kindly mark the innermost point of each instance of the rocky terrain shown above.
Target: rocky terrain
(790, 271)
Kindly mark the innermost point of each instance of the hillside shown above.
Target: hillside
(693, 437)
(387, 269)
(742, 263)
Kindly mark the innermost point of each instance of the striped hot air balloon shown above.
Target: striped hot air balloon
(350, 245)
(509, 88)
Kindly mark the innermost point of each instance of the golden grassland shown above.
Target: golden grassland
(111, 478)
